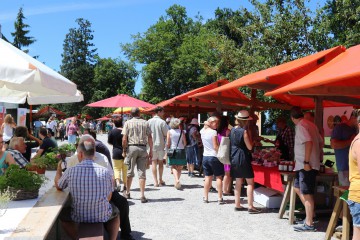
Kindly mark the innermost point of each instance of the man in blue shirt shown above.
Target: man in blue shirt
(341, 138)
(90, 186)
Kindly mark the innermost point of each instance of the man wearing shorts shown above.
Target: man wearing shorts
(158, 132)
(91, 187)
(307, 156)
(136, 135)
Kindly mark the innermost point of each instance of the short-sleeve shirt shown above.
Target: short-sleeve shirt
(89, 185)
(174, 136)
(342, 132)
(46, 145)
(72, 129)
(18, 157)
(137, 131)
(207, 140)
(115, 139)
(158, 131)
(306, 131)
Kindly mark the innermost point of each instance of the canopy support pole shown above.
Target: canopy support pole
(319, 112)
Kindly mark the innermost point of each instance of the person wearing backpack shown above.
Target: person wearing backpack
(192, 136)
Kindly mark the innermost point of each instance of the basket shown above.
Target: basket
(21, 194)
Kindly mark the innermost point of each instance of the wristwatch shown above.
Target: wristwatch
(305, 162)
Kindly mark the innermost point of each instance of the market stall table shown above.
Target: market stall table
(271, 177)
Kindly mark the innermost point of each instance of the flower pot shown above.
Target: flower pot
(21, 194)
(41, 170)
(31, 168)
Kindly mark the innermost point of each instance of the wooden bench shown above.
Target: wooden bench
(91, 231)
(340, 205)
(37, 224)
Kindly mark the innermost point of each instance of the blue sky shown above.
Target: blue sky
(113, 21)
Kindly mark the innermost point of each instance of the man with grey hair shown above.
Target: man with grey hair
(16, 148)
(136, 135)
(91, 187)
(158, 132)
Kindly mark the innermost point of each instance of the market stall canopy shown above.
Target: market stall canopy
(338, 80)
(185, 103)
(120, 100)
(286, 73)
(22, 78)
(48, 111)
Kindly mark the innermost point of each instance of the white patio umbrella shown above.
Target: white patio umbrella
(24, 78)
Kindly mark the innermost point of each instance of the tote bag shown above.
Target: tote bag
(224, 150)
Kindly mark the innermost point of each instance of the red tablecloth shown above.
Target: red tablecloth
(268, 176)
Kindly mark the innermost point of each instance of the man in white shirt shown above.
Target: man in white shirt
(307, 153)
(158, 132)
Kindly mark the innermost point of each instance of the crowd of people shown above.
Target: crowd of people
(153, 143)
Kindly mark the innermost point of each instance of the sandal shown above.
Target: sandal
(254, 210)
(143, 200)
(237, 209)
(205, 200)
(221, 201)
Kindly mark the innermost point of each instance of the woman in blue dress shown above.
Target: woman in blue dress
(241, 145)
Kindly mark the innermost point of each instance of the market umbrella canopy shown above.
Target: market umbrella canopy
(286, 73)
(120, 100)
(338, 80)
(126, 110)
(23, 78)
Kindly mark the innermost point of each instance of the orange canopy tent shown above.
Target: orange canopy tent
(185, 104)
(338, 80)
(286, 73)
(47, 111)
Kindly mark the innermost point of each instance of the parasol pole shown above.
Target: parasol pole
(30, 119)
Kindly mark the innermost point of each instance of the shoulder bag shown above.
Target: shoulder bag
(223, 153)
(172, 152)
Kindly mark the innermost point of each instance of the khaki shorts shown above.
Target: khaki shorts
(158, 155)
(138, 156)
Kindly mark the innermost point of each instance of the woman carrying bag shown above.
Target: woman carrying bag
(176, 142)
(241, 145)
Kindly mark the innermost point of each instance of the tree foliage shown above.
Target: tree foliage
(21, 38)
(78, 63)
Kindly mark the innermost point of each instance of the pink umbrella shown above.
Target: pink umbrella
(121, 100)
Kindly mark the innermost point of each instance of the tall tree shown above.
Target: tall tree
(337, 23)
(112, 77)
(78, 63)
(20, 35)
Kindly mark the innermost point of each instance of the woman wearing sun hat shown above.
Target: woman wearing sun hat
(241, 145)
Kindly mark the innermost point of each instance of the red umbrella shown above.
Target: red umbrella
(103, 119)
(121, 100)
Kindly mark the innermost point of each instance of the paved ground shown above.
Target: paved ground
(174, 214)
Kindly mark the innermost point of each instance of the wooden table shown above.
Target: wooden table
(290, 194)
(340, 205)
(272, 178)
(38, 222)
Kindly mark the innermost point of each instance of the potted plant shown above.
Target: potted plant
(66, 150)
(41, 164)
(20, 182)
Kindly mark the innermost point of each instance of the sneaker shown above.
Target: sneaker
(213, 190)
(143, 200)
(304, 228)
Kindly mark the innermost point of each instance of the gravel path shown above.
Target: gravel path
(181, 214)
